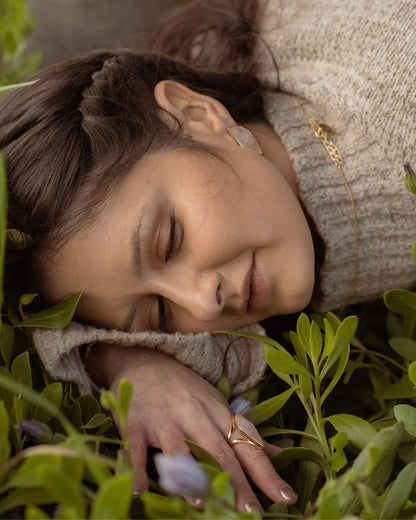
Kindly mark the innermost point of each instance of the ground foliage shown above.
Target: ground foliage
(340, 399)
(16, 22)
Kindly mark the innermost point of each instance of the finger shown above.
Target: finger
(257, 465)
(210, 438)
(138, 452)
(272, 449)
(171, 440)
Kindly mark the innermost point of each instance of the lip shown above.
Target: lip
(258, 289)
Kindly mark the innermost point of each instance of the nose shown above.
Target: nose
(200, 293)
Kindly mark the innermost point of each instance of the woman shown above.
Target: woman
(138, 185)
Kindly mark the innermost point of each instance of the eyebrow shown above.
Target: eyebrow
(136, 243)
(136, 246)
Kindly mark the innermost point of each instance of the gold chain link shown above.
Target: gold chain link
(321, 133)
(330, 147)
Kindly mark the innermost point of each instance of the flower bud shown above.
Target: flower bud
(36, 431)
(240, 405)
(181, 475)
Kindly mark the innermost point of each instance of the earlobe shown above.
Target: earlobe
(196, 112)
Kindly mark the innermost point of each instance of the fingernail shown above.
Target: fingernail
(251, 506)
(288, 494)
(196, 502)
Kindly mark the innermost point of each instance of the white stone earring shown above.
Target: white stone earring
(244, 138)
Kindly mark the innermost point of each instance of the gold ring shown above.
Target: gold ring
(248, 439)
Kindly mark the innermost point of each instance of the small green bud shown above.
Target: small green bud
(410, 178)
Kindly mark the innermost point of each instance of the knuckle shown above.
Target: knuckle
(224, 454)
(176, 447)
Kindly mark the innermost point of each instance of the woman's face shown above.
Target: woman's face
(188, 244)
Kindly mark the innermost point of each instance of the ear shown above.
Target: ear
(198, 114)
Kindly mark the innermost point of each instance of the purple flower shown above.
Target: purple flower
(35, 430)
(240, 405)
(181, 475)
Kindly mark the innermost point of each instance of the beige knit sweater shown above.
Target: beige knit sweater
(352, 65)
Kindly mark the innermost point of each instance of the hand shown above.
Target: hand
(171, 403)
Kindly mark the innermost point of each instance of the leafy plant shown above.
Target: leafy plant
(340, 400)
(16, 23)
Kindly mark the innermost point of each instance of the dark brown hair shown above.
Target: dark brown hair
(211, 34)
(69, 138)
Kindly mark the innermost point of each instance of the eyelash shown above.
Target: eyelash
(168, 256)
(171, 241)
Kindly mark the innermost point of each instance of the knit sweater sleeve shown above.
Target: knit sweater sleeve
(240, 359)
(351, 66)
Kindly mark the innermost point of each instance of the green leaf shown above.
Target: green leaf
(305, 382)
(108, 400)
(113, 498)
(20, 409)
(331, 501)
(157, 506)
(342, 363)
(302, 454)
(376, 460)
(370, 501)
(400, 301)
(21, 369)
(7, 88)
(405, 347)
(338, 443)
(282, 363)
(299, 350)
(315, 340)
(412, 372)
(7, 338)
(279, 509)
(222, 487)
(303, 330)
(333, 320)
(56, 317)
(343, 338)
(329, 343)
(97, 420)
(399, 492)
(35, 513)
(26, 475)
(62, 488)
(26, 299)
(5, 448)
(125, 391)
(403, 389)
(53, 393)
(22, 497)
(89, 406)
(268, 408)
(223, 385)
(359, 431)
(203, 455)
(407, 415)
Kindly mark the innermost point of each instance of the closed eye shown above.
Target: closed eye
(171, 240)
(162, 314)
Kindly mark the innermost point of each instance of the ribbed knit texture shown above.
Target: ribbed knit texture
(240, 359)
(352, 64)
